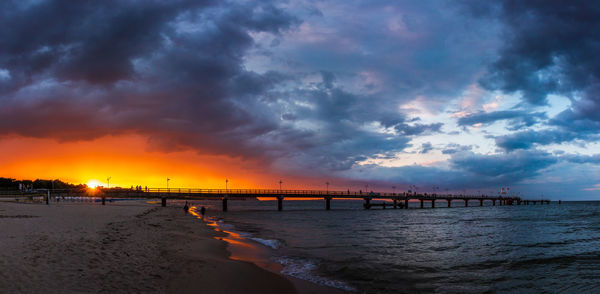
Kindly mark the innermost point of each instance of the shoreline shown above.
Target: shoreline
(247, 250)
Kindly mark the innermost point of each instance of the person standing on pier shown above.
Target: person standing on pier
(202, 211)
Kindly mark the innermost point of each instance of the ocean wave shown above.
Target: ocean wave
(306, 270)
(275, 244)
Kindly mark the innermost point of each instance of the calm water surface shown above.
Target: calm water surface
(518, 249)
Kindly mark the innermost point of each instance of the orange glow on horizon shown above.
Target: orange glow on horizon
(127, 161)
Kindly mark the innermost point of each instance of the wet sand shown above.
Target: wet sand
(123, 247)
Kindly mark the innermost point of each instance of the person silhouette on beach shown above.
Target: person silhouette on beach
(186, 207)
(202, 211)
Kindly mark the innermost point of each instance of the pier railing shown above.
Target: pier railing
(294, 192)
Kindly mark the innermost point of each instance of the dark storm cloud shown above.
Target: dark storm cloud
(454, 148)
(137, 67)
(549, 47)
(517, 118)
(400, 50)
(338, 140)
(577, 158)
(527, 139)
(417, 129)
(585, 113)
(174, 72)
(82, 40)
(426, 147)
(530, 138)
(472, 171)
(508, 168)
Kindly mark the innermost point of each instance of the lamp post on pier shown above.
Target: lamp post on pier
(280, 182)
(327, 184)
(168, 185)
(107, 182)
(414, 189)
(393, 190)
(226, 181)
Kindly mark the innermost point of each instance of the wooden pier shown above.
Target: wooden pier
(370, 199)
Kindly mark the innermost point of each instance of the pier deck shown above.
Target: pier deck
(392, 200)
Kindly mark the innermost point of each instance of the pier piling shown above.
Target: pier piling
(225, 203)
(327, 203)
(280, 203)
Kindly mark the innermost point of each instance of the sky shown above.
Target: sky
(463, 96)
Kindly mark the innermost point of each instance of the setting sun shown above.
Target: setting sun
(93, 184)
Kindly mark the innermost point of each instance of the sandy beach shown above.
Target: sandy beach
(123, 247)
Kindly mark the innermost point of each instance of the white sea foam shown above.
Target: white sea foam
(306, 270)
(270, 243)
(275, 244)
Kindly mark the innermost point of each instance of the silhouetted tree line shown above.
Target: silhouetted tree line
(8, 183)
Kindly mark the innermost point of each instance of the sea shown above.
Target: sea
(551, 248)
